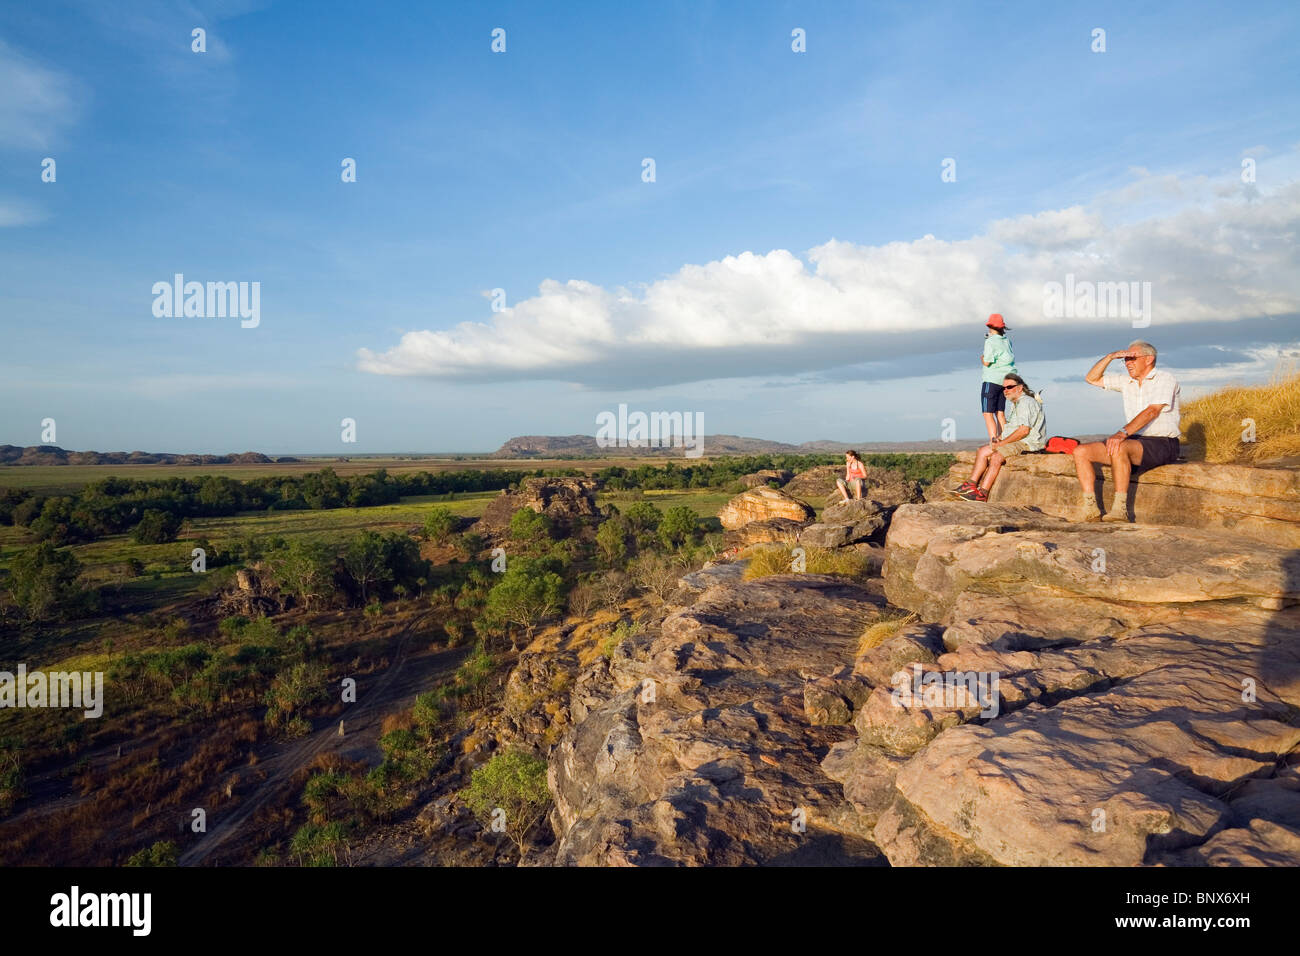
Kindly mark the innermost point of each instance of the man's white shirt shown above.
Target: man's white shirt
(1158, 388)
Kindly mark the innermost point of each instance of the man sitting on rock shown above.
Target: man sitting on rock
(1149, 438)
(855, 476)
(1023, 432)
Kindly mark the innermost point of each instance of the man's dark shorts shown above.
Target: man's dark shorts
(1157, 451)
(992, 398)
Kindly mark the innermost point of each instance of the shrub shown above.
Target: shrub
(11, 774)
(162, 853)
(508, 794)
(440, 523)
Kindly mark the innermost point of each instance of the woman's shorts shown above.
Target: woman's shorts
(992, 398)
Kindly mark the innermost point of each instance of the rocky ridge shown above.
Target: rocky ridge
(1139, 704)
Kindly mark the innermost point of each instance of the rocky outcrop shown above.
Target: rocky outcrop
(754, 479)
(761, 504)
(847, 522)
(1062, 694)
(703, 753)
(1146, 706)
(1258, 503)
(561, 499)
(884, 485)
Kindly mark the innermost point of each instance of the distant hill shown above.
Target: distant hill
(584, 446)
(54, 455)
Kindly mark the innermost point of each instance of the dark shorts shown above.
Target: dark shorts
(992, 398)
(1157, 451)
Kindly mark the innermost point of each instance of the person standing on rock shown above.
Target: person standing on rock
(999, 361)
(1148, 439)
(1024, 430)
(855, 476)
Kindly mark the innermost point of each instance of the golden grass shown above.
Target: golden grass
(768, 560)
(1215, 424)
(882, 630)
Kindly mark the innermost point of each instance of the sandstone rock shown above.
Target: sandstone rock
(760, 504)
(722, 572)
(935, 554)
(832, 700)
(714, 769)
(754, 479)
(846, 523)
(561, 499)
(917, 643)
(773, 530)
(1258, 503)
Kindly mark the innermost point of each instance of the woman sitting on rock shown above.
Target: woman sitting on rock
(1023, 432)
(855, 476)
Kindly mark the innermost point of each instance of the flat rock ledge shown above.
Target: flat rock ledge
(1258, 503)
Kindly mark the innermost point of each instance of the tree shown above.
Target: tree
(156, 527)
(527, 593)
(531, 529)
(365, 561)
(508, 794)
(643, 521)
(305, 569)
(611, 539)
(43, 581)
(678, 526)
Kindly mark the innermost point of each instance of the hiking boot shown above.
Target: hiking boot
(975, 494)
(1118, 511)
(1087, 511)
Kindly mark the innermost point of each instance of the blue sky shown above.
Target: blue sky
(797, 270)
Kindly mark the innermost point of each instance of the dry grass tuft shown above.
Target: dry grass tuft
(768, 560)
(882, 630)
(1213, 424)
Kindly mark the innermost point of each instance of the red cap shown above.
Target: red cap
(995, 321)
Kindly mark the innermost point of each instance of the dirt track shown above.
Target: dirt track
(391, 691)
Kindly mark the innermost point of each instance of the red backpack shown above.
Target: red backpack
(1062, 445)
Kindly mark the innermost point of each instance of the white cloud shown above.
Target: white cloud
(17, 213)
(36, 103)
(1208, 259)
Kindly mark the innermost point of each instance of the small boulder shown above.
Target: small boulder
(760, 504)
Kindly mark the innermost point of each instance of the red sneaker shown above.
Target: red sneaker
(976, 494)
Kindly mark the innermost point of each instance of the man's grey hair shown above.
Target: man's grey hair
(1146, 348)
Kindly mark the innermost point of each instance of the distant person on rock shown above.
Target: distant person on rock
(855, 476)
(999, 361)
(1147, 440)
(1024, 430)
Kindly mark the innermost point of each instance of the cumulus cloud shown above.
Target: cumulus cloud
(1208, 259)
